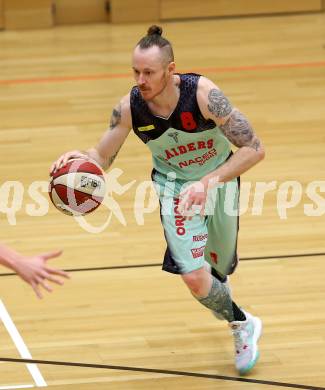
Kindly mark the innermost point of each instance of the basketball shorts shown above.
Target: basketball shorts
(212, 238)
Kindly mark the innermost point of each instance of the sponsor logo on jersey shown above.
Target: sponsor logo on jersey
(200, 237)
(179, 219)
(198, 160)
(197, 252)
(174, 135)
(146, 128)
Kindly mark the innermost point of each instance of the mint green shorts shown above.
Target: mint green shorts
(212, 238)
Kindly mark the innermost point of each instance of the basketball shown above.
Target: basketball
(78, 188)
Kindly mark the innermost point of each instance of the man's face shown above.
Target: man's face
(150, 72)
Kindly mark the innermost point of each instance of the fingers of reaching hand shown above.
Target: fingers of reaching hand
(49, 276)
(50, 270)
(51, 255)
(44, 284)
(59, 272)
(42, 281)
(36, 289)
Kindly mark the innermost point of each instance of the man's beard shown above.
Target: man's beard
(164, 80)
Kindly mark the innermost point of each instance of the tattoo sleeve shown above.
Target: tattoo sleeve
(111, 159)
(114, 122)
(218, 105)
(116, 117)
(239, 132)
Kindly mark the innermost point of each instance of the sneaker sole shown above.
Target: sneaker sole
(251, 365)
(257, 335)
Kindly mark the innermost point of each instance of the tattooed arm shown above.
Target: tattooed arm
(120, 125)
(234, 125)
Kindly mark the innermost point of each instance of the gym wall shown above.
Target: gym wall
(35, 14)
(180, 9)
(1, 15)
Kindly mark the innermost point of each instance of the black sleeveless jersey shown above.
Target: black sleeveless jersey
(186, 116)
(185, 143)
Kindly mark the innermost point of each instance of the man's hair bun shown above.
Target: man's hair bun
(154, 30)
(154, 38)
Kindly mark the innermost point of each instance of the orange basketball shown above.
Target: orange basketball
(77, 188)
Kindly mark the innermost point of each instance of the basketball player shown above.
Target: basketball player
(188, 124)
(33, 270)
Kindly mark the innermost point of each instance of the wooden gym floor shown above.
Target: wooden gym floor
(120, 313)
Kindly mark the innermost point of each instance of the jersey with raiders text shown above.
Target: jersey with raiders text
(185, 143)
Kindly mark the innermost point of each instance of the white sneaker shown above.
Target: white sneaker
(246, 334)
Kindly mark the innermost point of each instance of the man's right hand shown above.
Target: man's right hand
(63, 160)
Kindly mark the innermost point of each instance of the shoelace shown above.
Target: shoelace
(240, 336)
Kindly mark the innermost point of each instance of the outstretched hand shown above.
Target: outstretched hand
(35, 271)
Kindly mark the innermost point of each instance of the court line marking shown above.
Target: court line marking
(170, 372)
(167, 372)
(273, 257)
(20, 345)
(16, 387)
(225, 69)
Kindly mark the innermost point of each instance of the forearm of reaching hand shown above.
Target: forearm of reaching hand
(8, 257)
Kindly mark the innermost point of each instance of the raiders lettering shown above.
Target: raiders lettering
(179, 219)
(191, 147)
(200, 237)
(198, 252)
